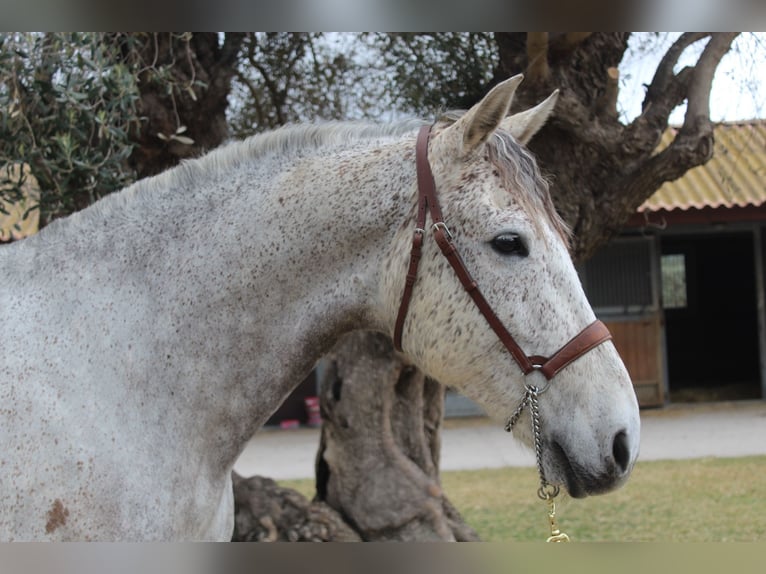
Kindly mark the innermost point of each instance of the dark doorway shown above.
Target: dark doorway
(711, 327)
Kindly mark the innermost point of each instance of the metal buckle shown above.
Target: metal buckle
(443, 225)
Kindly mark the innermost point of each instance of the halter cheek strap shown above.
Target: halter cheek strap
(590, 337)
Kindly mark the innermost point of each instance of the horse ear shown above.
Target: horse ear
(524, 125)
(481, 120)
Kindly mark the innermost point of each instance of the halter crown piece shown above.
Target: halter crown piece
(587, 339)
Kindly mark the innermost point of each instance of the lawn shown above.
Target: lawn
(700, 500)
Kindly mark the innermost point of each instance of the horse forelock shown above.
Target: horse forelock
(522, 178)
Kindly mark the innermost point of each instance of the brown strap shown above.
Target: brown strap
(426, 184)
(412, 273)
(450, 252)
(593, 335)
(426, 188)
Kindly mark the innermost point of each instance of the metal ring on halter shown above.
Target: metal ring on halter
(548, 491)
(541, 390)
(443, 225)
(420, 231)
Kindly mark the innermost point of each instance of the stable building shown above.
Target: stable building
(682, 289)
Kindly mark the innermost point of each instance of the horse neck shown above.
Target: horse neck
(255, 276)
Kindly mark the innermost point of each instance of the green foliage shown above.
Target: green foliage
(285, 77)
(66, 110)
(436, 71)
(71, 104)
(68, 102)
(290, 77)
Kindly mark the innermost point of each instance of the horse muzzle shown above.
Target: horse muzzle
(581, 478)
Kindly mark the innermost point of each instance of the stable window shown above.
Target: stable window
(618, 278)
(673, 272)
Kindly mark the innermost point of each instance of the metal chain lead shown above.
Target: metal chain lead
(546, 492)
(517, 413)
(534, 411)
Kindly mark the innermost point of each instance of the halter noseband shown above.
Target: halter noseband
(590, 337)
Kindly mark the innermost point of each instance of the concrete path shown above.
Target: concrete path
(679, 431)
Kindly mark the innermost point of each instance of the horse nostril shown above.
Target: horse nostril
(620, 451)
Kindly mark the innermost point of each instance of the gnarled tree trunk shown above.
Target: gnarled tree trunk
(603, 170)
(377, 468)
(185, 83)
(378, 459)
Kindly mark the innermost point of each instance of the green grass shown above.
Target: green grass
(700, 500)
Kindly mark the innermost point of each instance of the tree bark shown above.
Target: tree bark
(378, 459)
(377, 467)
(603, 170)
(184, 83)
(266, 512)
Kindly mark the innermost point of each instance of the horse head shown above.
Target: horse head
(498, 215)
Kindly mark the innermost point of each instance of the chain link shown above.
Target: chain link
(546, 492)
(534, 411)
(517, 413)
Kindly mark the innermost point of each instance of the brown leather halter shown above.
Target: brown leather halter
(590, 337)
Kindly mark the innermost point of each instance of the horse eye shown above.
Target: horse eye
(509, 244)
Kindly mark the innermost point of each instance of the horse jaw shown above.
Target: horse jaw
(590, 422)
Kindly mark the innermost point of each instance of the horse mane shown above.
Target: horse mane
(285, 141)
(515, 164)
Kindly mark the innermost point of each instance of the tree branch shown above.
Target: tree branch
(271, 86)
(562, 44)
(668, 90)
(693, 145)
(607, 103)
(537, 57)
(663, 76)
(232, 43)
(256, 98)
(698, 106)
